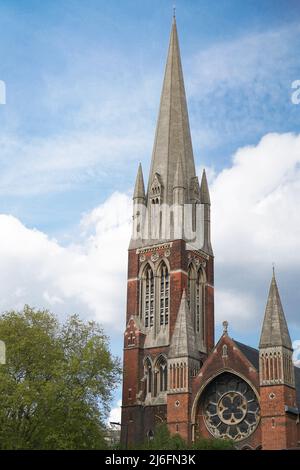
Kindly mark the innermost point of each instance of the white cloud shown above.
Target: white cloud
(231, 304)
(115, 413)
(51, 165)
(92, 126)
(255, 204)
(93, 119)
(241, 88)
(255, 222)
(87, 277)
(296, 354)
(252, 59)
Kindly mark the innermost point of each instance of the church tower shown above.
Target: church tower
(170, 296)
(277, 377)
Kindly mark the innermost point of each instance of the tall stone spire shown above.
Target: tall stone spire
(173, 139)
(274, 330)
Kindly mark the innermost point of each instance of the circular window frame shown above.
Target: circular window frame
(239, 437)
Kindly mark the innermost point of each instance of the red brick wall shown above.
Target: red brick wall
(179, 421)
(132, 284)
(137, 421)
(210, 318)
(279, 429)
(237, 363)
(178, 282)
(144, 417)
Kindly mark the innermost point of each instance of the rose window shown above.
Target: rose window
(231, 408)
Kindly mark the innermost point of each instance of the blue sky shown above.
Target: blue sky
(69, 65)
(83, 86)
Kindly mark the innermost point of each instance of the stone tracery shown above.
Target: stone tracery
(230, 407)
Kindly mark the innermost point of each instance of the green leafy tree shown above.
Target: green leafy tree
(164, 440)
(212, 444)
(57, 384)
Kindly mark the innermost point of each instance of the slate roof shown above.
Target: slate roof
(251, 354)
(297, 383)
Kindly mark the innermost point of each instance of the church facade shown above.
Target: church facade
(173, 370)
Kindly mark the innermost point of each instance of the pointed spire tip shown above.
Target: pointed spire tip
(173, 114)
(174, 13)
(139, 189)
(274, 331)
(204, 191)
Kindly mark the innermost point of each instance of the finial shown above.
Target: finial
(273, 269)
(225, 327)
(174, 11)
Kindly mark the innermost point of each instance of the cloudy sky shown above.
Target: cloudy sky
(83, 82)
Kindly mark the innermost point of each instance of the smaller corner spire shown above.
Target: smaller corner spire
(275, 346)
(274, 329)
(139, 189)
(204, 191)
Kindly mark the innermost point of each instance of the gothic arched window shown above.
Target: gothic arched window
(191, 286)
(164, 280)
(191, 290)
(148, 376)
(148, 296)
(199, 310)
(224, 351)
(155, 190)
(161, 376)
